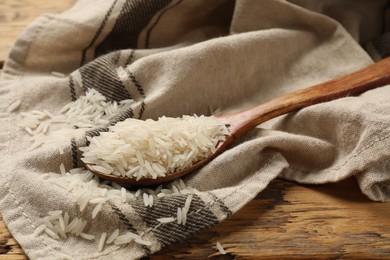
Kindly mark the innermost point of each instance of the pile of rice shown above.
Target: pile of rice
(88, 190)
(89, 111)
(150, 149)
(59, 225)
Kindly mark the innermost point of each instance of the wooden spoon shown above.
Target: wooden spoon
(240, 123)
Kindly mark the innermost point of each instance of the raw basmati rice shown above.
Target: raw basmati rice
(56, 226)
(149, 149)
(86, 189)
(87, 236)
(56, 223)
(129, 237)
(55, 212)
(96, 210)
(88, 111)
(221, 249)
(142, 242)
(188, 203)
(183, 217)
(72, 224)
(113, 236)
(185, 210)
(58, 74)
(123, 194)
(61, 222)
(179, 215)
(40, 229)
(146, 199)
(66, 219)
(14, 105)
(62, 168)
(51, 233)
(166, 220)
(151, 200)
(102, 241)
(123, 239)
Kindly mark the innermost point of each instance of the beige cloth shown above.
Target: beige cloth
(203, 57)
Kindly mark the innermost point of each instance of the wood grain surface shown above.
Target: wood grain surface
(15, 15)
(286, 221)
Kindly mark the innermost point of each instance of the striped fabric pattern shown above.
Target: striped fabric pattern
(101, 75)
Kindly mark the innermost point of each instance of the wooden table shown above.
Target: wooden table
(285, 221)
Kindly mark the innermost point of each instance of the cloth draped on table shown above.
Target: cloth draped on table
(204, 57)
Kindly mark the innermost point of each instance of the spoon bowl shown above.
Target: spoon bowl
(221, 146)
(239, 123)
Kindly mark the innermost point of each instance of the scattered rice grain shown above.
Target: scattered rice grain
(51, 233)
(142, 242)
(123, 239)
(179, 216)
(146, 199)
(61, 223)
(58, 74)
(150, 201)
(55, 212)
(14, 105)
(188, 203)
(102, 241)
(40, 229)
(166, 220)
(96, 210)
(86, 112)
(87, 236)
(113, 236)
(123, 194)
(221, 249)
(62, 169)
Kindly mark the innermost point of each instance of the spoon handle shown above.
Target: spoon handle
(373, 76)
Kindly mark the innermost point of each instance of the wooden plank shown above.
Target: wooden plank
(16, 15)
(9, 248)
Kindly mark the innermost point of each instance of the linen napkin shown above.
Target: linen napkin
(179, 57)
